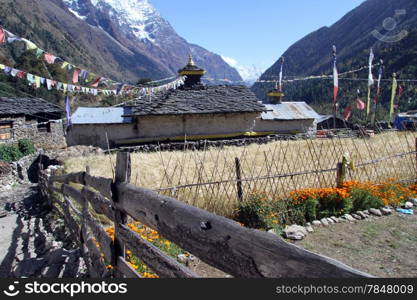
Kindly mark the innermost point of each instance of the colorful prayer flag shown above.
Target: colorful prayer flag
(360, 104)
(75, 75)
(335, 77)
(68, 110)
(49, 58)
(347, 113)
(393, 93)
(2, 36)
(371, 77)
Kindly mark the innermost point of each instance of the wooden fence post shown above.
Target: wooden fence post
(123, 174)
(239, 180)
(341, 172)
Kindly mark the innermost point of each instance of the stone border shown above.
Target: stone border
(298, 232)
(204, 144)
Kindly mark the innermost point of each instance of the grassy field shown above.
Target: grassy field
(217, 167)
(384, 247)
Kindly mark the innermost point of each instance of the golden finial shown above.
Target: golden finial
(191, 61)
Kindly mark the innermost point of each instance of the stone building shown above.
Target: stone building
(192, 112)
(31, 118)
(287, 117)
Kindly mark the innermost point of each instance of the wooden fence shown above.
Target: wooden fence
(217, 241)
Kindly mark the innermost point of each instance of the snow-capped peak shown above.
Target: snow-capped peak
(135, 17)
(138, 17)
(133, 10)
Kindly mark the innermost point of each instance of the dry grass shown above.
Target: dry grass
(173, 169)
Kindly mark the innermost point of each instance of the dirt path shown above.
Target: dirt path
(28, 247)
(384, 247)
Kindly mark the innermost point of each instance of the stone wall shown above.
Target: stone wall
(287, 126)
(162, 127)
(23, 128)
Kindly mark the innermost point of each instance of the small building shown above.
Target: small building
(100, 126)
(287, 117)
(328, 122)
(32, 118)
(406, 121)
(192, 112)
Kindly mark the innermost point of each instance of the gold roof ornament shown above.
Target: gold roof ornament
(275, 93)
(191, 68)
(190, 61)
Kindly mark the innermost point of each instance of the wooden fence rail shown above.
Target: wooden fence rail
(219, 242)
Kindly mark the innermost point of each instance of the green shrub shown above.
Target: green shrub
(26, 147)
(10, 152)
(255, 212)
(311, 207)
(364, 199)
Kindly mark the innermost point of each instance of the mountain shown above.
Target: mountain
(386, 25)
(122, 40)
(136, 24)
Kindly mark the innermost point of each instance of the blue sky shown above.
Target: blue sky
(253, 33)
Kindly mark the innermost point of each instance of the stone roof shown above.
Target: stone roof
(200, 100)
(27, 106)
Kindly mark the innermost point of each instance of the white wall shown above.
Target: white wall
(286, 126)
(162, 126)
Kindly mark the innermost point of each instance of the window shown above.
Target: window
(6, 130)
(44, 126)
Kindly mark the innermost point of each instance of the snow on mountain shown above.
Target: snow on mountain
(249, 73)
(138, 25)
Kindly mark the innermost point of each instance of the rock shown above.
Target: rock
(316, 223)
(3, 214)
(30, 267)
(408, 205)
(324, 222)
(309, 229)
(357, 217)
(349, 218)
(295, 232)
(362, 214)
(414, 201)
(386, 211)
(308, 224)
(375, 212)
(366, 212)
(336, 220)
(330, 221)
(182, 258)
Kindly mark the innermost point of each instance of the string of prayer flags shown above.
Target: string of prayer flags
(38, 81)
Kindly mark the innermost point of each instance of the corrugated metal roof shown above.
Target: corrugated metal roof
(101, 115)
(289, 111)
